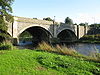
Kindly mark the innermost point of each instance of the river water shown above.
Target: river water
(83, 48)
(86, 48)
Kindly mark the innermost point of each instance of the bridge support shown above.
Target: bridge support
(15, 41)
(77, 31)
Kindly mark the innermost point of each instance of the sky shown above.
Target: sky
(80, 11)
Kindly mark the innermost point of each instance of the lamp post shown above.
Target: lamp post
(53, 26)
(93, 27)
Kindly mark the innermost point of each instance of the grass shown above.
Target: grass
(32, 62)
(66, 51)
(90, 38)
(57, 49)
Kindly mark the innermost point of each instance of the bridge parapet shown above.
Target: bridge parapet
(34, 21)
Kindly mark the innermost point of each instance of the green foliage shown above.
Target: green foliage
(63, 50)
(6, 46)
(68, 21)
(69, 65)
(30, 62)
(95, 25)
(5, 16)
(48, 19)
(57, 49)
(4, 37)
(35, 18)
(25, 34)
(2, 23)
(91, 38)
(83, 24)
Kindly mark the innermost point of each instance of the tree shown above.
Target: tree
(5, 16)
(48, 19)
(75, 23)
(35, 18)
(68, 21)
(83, 24)
(95, 25)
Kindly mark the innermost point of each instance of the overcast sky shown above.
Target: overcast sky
(78, 10)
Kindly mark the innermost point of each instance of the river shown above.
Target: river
(86, 48)
(83, 48)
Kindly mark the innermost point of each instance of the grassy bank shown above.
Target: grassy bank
(32, 62)
(90, 39)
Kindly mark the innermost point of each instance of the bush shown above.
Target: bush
(95, 55)
(45, 46)
(6, 46)
(57, 49)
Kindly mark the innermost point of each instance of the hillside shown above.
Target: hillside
(31, 62)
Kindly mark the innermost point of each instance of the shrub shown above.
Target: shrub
(45, 46)
(66, 51)
(57, 49)
(6, 46)
(95, 55)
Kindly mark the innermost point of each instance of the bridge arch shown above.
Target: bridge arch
(21, 29)
(38, 33)
(66, 35)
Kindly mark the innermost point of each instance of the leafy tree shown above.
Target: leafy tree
(82, 24)
(75, 24)
(5, 16)
(35, 18)
(48, 19)
(95, 25)
(68, 21)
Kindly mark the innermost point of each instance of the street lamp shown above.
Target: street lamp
(53, 25)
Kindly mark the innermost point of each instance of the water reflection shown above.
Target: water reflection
(23, 43)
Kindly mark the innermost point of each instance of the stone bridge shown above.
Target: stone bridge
(43, 30)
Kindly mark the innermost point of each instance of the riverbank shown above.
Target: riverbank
(82, 48)
(90, 39)
(36, 62)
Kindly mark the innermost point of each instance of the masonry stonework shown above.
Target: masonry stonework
(21, 24)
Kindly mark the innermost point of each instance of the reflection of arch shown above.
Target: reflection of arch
(66, 35)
